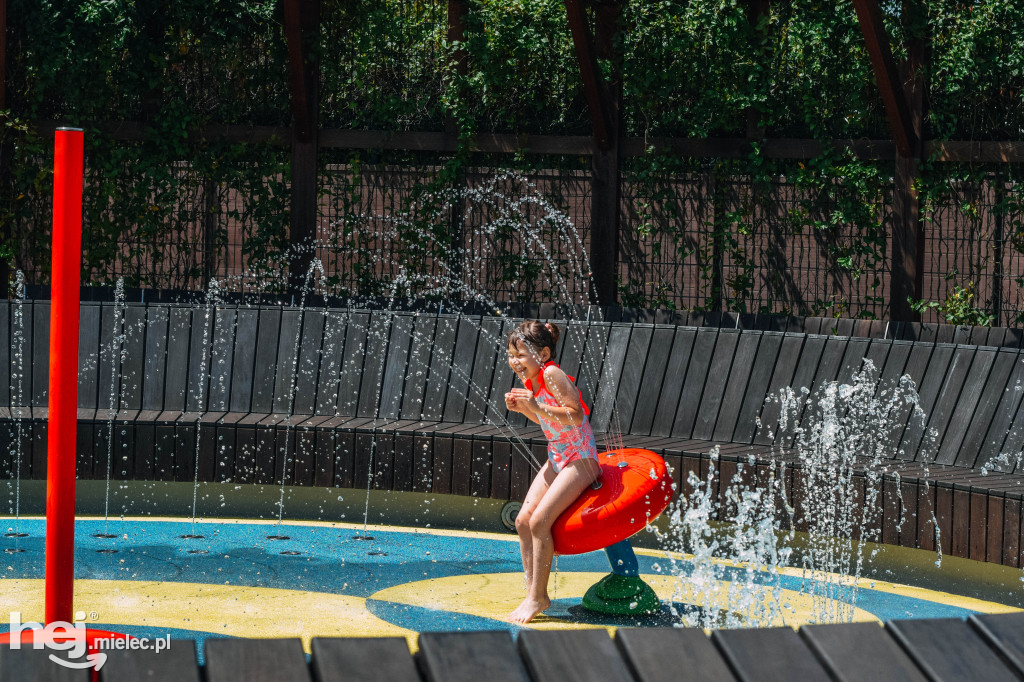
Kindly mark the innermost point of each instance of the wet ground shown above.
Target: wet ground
(332, 579)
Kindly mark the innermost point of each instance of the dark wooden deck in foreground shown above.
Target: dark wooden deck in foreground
(989, 647)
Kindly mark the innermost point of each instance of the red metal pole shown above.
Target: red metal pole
(64, 302)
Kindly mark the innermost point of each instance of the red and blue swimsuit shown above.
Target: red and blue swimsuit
(566, 443)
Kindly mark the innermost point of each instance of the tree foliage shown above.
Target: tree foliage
(691, 68)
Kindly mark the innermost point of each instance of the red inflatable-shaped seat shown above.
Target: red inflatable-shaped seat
(635, 489)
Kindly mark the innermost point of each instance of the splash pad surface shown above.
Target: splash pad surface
(323, 581)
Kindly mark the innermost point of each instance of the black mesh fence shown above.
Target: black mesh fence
(498, 228)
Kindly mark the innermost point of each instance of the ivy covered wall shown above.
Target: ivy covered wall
(171, 207)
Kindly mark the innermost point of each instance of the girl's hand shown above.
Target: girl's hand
(521, 400)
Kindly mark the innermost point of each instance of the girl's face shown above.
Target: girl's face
(525, 362)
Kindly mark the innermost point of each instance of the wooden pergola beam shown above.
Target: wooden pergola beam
(593, 90)
(301, 27)
(5, 180)
(301, 19)
(894, 93)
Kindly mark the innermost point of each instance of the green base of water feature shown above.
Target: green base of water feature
(619, 595)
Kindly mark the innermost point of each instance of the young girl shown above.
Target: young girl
(551, 400)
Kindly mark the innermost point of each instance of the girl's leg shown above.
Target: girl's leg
(537, 489)
(562, 492)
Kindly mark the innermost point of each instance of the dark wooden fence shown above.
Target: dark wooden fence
(413, 402)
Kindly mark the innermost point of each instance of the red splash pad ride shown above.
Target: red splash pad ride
(635, 488)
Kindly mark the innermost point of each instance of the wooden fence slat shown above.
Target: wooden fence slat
(39, 346)
(916, 368)
(965, 368)
(829, 367)
(243, 366)
(335, 326)
(440, 368)
(782, 376)
(7, 344)
(962, 408)
(462, 465)
(949, 649)
(490, 351)
(672, 387)
(672, 655)
(693, 384)
(255, 660)
(763, 366)
(178, 344)
(176, 663)
(287, 361)
(155, 361)
(199, 352)
(611, 374)
(929, 387)
(362, 659)
(1006, 417)
(501, 469)
(352, 367)
(654, 375)
(28, 367)
(995, 385)
(88, 357)
(308, 366)
(737, 386)
(592, 362)
(503, 380)
(769, 654)
(461, 368)
(861, 652)
(470, 657)
(373, 362)
(878, 355)
(571, 346)
(419, 366)
(396, 367)
(853, 359)
(572, 655)
(812, 355)
(637, 354)
(222, 356)
(715, 384)
(891, 370)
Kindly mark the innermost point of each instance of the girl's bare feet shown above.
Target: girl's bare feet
(528, 610)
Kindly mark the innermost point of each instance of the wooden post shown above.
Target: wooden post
(457, 10)
(604, 101)
(904, 99)
(302, 27)
(998, 237)
(719, 198)
(5, 168)
(211, 207)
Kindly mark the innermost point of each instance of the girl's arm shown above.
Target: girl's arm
(569, 411)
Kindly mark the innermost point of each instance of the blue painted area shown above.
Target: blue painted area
(884, 605)
(331, 560)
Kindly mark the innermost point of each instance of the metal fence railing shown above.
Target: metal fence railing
(500, 229)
